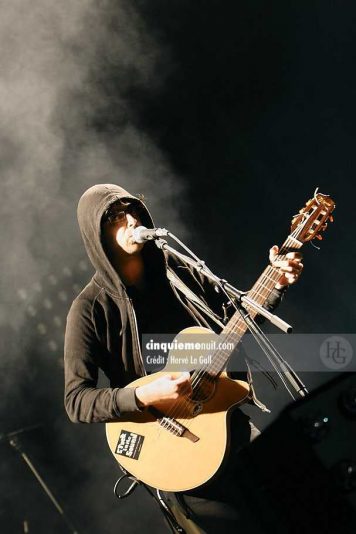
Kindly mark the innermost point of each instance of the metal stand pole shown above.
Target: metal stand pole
(12, 439)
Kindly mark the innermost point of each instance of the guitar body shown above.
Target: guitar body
(157, 456)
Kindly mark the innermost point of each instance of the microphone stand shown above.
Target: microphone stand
(283, 368)
(12, 439)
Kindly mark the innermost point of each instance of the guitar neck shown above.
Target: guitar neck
(266, 283)
(260, 292)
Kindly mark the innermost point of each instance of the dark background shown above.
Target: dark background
(253, 108)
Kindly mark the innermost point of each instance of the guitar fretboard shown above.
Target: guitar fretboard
(260, 292)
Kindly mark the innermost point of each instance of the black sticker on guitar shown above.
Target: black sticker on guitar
(129, 444)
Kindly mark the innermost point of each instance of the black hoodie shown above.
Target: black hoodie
(101, 325)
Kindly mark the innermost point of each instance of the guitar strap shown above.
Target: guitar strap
(191, 296)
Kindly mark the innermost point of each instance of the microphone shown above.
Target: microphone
(141, 234)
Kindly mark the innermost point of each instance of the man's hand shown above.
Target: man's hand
(290, 269)
(164, 390)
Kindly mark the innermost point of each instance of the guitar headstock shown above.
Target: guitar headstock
(313, 218)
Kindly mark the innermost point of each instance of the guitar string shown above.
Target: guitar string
(263, 277)
(272, 271)
(184, 403)
(256, 293)
(198, 379)
(275, 275)
(270, 274)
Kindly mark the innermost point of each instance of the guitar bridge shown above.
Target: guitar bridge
(173, 426)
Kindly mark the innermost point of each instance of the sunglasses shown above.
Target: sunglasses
(117, 214)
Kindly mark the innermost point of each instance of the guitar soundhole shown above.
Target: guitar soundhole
(203, 387)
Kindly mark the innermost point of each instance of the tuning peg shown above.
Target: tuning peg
(324, 227)
(318, 236)
(331, 218)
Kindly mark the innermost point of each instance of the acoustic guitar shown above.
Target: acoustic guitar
(183, 448)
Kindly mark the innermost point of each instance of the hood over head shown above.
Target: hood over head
(91, 208)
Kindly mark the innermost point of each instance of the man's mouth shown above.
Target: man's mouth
(130, 236)
(130, 239)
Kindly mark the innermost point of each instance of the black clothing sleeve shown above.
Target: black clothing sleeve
(84, 402)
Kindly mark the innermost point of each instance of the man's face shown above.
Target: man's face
(119, 227)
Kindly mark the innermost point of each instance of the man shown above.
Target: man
(136, 289)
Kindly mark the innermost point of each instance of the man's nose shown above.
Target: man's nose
(131, 219)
